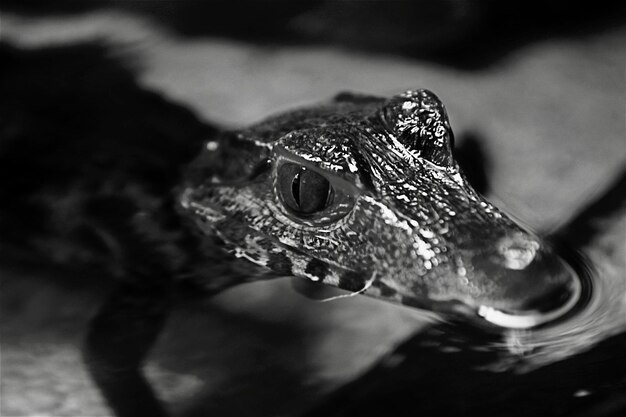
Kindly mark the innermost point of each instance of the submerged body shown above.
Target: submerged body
(364, 194)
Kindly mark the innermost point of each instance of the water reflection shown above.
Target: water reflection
(456, 369)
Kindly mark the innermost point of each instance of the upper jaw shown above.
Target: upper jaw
(543, 290)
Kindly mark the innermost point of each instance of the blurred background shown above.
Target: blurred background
(540, 85)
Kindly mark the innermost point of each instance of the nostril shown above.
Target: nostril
(517, 251)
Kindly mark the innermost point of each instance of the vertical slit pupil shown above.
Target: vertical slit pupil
(295, 186)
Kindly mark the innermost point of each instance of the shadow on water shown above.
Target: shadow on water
(474, 161)
(595, 218)
(463, 34)
(261, 361)
(82, 125)
(448, 371)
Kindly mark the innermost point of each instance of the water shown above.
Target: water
(600, 313)
(572, 366)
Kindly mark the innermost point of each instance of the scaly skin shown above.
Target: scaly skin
(402, 222)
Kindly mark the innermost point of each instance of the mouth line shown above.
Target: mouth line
(526, 320)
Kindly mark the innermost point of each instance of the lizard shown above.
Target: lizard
(362, 193)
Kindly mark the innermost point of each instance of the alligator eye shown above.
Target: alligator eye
(303, 190)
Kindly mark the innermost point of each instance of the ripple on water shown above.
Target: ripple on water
(600, 314)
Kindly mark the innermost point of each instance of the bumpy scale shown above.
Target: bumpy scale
(363, 194)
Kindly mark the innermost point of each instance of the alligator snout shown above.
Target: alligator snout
(525, 282)
(504, 275)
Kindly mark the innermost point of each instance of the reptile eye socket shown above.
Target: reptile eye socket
(302, 190)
